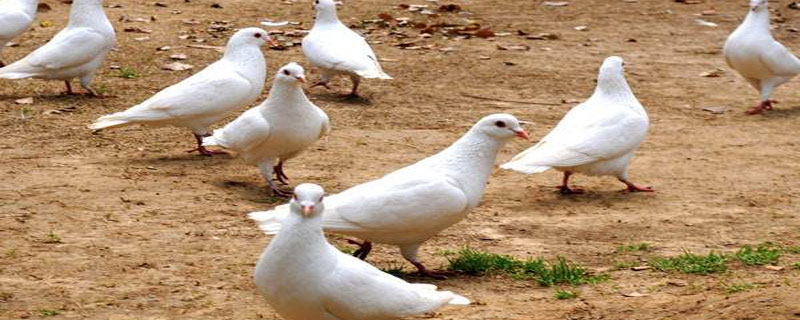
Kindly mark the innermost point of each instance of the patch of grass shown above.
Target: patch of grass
(792, 249)
(395, 269)
(346, 250)
(47, 312)
(52, 238)
(474, 262)
(127, 73)
(759, 256)
(560, 271)
(623, 265)
(632, 247)
(691, 263)
(738, 287)
(565, 294)
(796, 265)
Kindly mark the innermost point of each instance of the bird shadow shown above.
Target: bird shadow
(590, 199)
(251, 191)
(49, 97)
(186, 158)
(783, 112)
(343, 98)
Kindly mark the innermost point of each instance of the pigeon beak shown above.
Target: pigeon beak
(307, 210)
(521, 133)
(301, 79)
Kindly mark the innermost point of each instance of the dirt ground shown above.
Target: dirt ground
(125, 224)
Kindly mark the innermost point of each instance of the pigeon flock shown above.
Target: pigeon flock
(300, 274)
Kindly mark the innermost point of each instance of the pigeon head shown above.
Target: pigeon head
(757, 5)
(307, 200)
(611, 78)
(326, 10)
(291, 73)
(249, 37)
(501, 126)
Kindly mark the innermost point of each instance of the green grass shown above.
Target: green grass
(127, 73)
(691, 263)
(738, 287)
(395, 269)
(792, 249)
(560, 271)
(478, 263)
(759, 256)
(565, 294)
(52, 238)
(346, 250)
(632, 247)
(47, 312)
(623, 265)
(796, 265)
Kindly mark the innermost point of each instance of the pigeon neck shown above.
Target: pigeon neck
(248, 60)
(87, 13)
(326, 18)
(302, 232)
(469, 161)
(612, 86)
(757, 19)
(285, 93)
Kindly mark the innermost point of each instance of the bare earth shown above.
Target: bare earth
(125, 224)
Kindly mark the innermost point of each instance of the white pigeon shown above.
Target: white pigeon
(282, 127)
(415, 203)
(597, 137)
(15, 17)
(206, 97)
(77, 51)
(335, 49)
(762, 61)
(303, 277)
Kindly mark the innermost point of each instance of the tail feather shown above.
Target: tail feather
(458, 300)
(521, 167)
(270, 221)
(214, 139)
(374, 74)
(17, 70)
(109, 121)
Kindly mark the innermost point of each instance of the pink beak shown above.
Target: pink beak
(301, 79)
(522, 134)
(307, 210)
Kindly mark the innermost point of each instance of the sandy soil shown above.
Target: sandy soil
(125, 225)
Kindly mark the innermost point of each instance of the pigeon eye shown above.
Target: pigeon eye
(316, 2)
(500, 124)
(257, 35)
(286, 72)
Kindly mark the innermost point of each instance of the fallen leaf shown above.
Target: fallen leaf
(706, 23)
(27, 100)
(45, 24)
(270, 23)
(717, 109)
(164, 48)
(12, 44)
(677, 283)
(142, 38)
(581, 28)
(555, 3)
(202, 46)
(178, 56)
(774, 268)
(520, 47)
(641, 268)
(634, 294)
(542, 36)
(713, 73)
(137, 30)
(177, 66)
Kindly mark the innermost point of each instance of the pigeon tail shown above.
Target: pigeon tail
(16, 70)
(374, 74)
(458, 300)
(109, 121)
(528, 169)
(270, 221)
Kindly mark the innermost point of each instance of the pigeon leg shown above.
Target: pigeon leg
(634, 188)
(320, 83)
(564, 187)
(282, 178)
(200, 148)
(410, 253)
(356, 80)
(266, 172)
(68, 91)
(761, 107)
(363, 250)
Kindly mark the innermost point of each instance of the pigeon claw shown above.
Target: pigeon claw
(566, 190)
(761, 107)
(280, 193)
(324, 84)
(427, 273)
(634, 188)
(206, 152)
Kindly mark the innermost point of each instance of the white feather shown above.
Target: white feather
(15, 17)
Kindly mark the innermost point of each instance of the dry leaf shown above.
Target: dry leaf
(555, 3)
(641, 268)
(178, 56)
(164, 48)
(706, 23)
(773, 268)
(717, 109)
(712, 74)
(202, 46)
(177, 66)
(520, 47)
(27, 100)
(137, 30)
(542, 36)
(581, 28)
(677, 283)
(634, 294)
